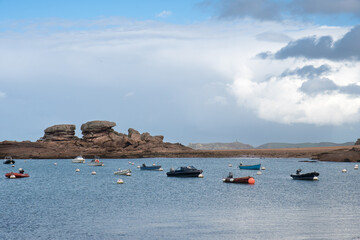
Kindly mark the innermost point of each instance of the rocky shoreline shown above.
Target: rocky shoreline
(100, 139)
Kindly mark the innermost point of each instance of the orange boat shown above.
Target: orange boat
(246, 180)
(17, 175)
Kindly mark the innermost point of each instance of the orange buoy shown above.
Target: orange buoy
(251, 181)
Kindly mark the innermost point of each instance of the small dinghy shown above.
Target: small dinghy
(188, 171)
(9, 160)
(305, 176)
(152, 167)
(20, 174)
(246, 180)
(250, 167)
(123, 172)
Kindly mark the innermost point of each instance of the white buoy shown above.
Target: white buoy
(259, 173)
(120, 181)
(356, 167)
(200, 175)
(132, 163)
(77, 170)
(230, 165)
(93, 173)
(161, 169)
(315, 178)
(138, 166)
(129, 162)
(128, 174)
(55, 163)
(344, 171)
(12, 176)
(263, 168)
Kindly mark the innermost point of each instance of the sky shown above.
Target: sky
(193, 71)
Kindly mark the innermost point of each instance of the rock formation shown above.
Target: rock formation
(99, 138)
(63, 132)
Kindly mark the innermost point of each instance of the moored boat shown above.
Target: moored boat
(9, 160)
(246, 180)
(78, 159)
(123, 172)
(250, 167)
(305, 176)
(188, 171)
(96, 162)
(16, 175)
(152, 167)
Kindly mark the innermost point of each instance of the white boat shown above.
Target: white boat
(123, 172)
(96, 162)
(78, 159)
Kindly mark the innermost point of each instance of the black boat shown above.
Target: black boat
(305, 176)
(189, 171)
(9, 160)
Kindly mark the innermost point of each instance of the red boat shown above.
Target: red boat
(17, 175)
(247, 180)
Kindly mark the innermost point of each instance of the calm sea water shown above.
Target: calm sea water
(58, 203)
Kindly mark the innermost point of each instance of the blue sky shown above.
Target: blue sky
(194, 71)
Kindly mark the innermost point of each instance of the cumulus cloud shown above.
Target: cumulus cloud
(346, 48)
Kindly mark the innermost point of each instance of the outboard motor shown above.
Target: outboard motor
(172, 170)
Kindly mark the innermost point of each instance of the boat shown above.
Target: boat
(123, 172)
(305, 176)
(250, 167)
(188, 171)
(152, 167)
(16, 175)
(78, 159)
(9, 160)
(246, 180)
(96, 162)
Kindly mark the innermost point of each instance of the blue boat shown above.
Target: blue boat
(250, 167)
(152, 167)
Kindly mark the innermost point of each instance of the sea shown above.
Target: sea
(56, 202)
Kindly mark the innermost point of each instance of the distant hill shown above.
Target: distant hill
(303, 145)
(220, 146)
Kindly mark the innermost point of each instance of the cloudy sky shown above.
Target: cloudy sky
(254, 71)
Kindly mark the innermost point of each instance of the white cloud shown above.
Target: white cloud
(164, 14)
(173, 63)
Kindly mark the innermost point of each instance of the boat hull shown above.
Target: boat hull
(250, 167)
(306, 176)
(244, 180)
(151, 168)
(17, 175)
(123, 172)
(184, 174)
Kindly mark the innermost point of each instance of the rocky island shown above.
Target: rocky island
(100, 139)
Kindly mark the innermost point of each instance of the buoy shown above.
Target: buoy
(160, 169)
(12, 176)
(315, 178)
(230, 165)
(128, 174)
(263, 168)
(132, 163)
(55, 163)
(231, 180)
(200, 175)
(251, 181)
(344, 171)
(12, 165)
(93, 173)
(356, 167)
(120, 181)
(224, 179)
(129, 162)
(102, 165)
(138, 166)
(259, 173)
(77, 170)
